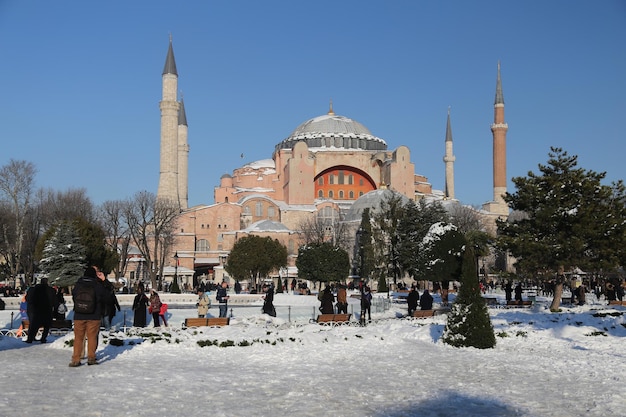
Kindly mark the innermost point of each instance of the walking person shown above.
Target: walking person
(366, 305)
(268, 300)
(518, 292)
(43, 300)
(412, 300)
(59, 313)
(155, 308)
(162, 313)
(342, 299)
(88, 296)
(203, 304)
(111, 305)
(140, 303)
(326, 298)
(508, 291)
(426, 301)
(222, 298)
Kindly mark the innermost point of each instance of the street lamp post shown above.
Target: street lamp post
(176, 269)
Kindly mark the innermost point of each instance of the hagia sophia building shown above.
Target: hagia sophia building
(330, 166)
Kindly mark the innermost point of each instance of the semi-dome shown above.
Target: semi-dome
(333, 131)
(372, 201)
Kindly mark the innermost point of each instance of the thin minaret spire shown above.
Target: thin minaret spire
(499, 129)
(449, 159)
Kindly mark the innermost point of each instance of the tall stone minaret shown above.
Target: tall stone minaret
(168, 177)
(499, 129)
(449, 159)
(183, 157)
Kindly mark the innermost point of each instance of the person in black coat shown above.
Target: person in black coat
(518, 292)
(508, 291)
(426, 301)
(412, 300)
(268, 303)
(140, 304)
(111, 305)
(43, 301)
(327, 300)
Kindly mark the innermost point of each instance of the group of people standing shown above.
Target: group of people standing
(425, 301)
(328, 305)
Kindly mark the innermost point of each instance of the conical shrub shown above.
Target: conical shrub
(468, 322)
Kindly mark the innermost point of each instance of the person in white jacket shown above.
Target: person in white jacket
(203, 304)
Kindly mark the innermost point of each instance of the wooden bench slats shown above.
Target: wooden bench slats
(56, 324)
(333, 318)
(524, 303)
(421, 314)
(207, 321)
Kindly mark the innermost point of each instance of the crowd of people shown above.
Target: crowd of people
(41, 304)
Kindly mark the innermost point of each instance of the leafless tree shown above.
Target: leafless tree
(111, 217)
(466, 219)
(322, 227)
(69, 205)
(16, 189)
(151, 224)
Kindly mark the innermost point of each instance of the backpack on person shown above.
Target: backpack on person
(85, 299)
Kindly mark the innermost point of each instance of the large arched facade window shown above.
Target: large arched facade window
(343, 182)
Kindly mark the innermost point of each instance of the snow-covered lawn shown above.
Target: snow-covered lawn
(571, 363)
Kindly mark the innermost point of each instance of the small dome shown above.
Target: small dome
(333, 131)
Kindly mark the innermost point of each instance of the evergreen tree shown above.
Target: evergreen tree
(175, 288)
(323, 262)
(441, 252)
(382, 285)
(63, 256)
(365, 251)
(567, 219)
(387, 235)
(253, 257)
(468, 322)
(414, 227)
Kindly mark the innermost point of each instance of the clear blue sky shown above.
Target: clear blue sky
(81, 84)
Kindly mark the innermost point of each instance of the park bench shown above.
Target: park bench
(491, 301)
(332, 319)
(207, 321)
(617, 303)
(56, 327)
(523, 303)
(422, 314)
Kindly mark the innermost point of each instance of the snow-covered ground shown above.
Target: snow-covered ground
(571, 363)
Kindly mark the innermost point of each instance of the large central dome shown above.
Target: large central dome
(333, 131)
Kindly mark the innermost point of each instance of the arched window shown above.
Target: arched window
(291, 247)
(341, 194)
(320, 193)
(320, 181)
(202, 245)
(259, 209)
(351, 194)
(330, 194)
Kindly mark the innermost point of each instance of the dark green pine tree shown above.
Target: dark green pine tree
(468, 323)
(175, 288)
(63, 256)
(323, 262)
(365, 252)
(382, 285)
